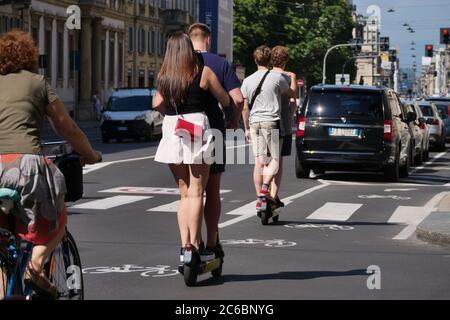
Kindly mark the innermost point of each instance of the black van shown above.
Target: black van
(353, 128)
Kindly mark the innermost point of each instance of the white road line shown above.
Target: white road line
(335, 211)
(413, 216)
(110, 202)
(149, 190)
(90, 168)
(249, 210)
(439, 155)
(170, 207)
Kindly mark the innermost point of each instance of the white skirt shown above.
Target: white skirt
(176, 150)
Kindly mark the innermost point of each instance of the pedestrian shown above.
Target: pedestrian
(279, 59)
(181, 94)
(200, 35)
(26, 99)
(96, 106)
(262, 104)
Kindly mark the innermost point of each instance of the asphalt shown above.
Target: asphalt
(129, 252)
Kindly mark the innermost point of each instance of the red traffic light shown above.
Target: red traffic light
(445, 32)
(445, 37)
(429, 50)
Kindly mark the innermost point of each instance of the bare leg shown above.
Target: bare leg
(199, 174)
(276, 182)
(181, 175)
(213, 209)
(3, 284)
(257, 175)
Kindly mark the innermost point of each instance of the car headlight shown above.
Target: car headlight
(106, 117)
(140, 117)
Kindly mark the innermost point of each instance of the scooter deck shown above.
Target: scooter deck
(209, 266)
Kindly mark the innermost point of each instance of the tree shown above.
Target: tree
(307, 29)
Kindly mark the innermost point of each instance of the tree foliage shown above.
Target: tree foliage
(307, 27)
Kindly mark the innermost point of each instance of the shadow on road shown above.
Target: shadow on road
(285, 275)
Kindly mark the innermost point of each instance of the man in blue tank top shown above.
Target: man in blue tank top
(200, 35)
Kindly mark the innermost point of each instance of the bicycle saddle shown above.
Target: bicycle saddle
(7, 199)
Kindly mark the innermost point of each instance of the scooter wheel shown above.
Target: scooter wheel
(216, 273)
(191, 271)
(265, 216)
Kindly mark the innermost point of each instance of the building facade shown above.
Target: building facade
(121, 43)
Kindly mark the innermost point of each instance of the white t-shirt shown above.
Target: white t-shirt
(267, 106)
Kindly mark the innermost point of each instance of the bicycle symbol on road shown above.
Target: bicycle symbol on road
(155, 272)
(319, 226)
(275, 243)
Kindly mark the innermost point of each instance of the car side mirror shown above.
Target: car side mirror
(411, 116)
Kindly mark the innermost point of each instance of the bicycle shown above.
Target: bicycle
(63, 267)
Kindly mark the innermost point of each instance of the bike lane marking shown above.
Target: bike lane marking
(249, 210)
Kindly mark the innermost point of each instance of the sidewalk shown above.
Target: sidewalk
(436, 227)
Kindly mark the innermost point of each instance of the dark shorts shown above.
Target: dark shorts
(218, 168)
(286, 148)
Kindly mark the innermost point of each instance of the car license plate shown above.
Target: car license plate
(122, 129)
(343, 132)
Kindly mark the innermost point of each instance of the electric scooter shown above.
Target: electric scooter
(193, 266)
(272, 211)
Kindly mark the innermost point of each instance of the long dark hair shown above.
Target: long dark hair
(178, 69)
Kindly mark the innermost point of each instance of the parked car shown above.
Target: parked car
(435, 124)
(353, 128)
(425, 130)
(129, 114)
(419, 133)
(443, 105)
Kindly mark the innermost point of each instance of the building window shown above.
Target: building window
(141, 7)
(130, 39)
(161, 44)
(153, 42)
(151, 79)
(141, 41)
(141, 79)
(129, 79)
(48, 53)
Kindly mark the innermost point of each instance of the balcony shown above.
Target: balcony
(175, 19)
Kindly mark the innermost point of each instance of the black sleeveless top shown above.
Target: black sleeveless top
(195, 99)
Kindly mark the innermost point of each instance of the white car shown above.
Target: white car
(129, 114)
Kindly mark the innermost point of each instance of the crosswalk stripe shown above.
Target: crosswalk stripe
(110, 202)
(335, 211)
(170, 207)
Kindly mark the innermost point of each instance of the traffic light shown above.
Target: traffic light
(445, 37)
(429, 50)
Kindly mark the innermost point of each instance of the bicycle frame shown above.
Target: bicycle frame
(16, 267)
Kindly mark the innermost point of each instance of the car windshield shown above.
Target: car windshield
(136, 103)
(427, 111)
(344, 104)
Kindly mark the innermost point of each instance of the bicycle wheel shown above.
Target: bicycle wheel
(64, 270)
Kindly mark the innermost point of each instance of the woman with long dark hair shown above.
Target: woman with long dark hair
(183, 85)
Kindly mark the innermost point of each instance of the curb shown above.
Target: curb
(435, 228)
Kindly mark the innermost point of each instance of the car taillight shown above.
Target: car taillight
(301, 127)
(433, 122)
(388, 130)
(448, 111)
(422, 125)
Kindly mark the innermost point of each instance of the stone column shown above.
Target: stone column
(42, 40)
(116, 60)
(66, 58)
(97, 58)
(106, 76)
(55, 57)
(84, 109)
